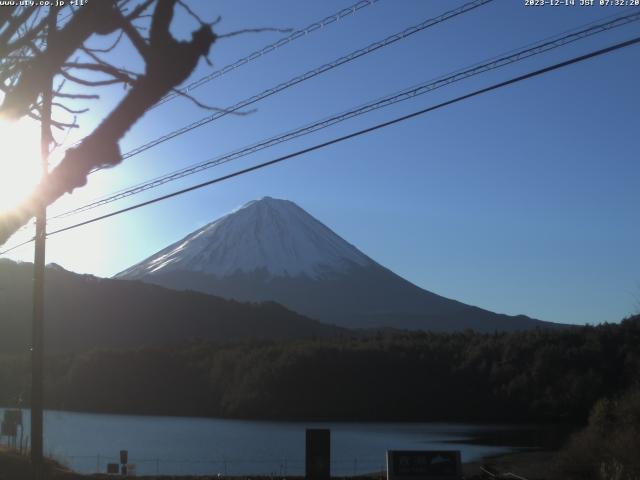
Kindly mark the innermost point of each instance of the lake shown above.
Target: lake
(86, 442)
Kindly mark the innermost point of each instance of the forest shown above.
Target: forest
(554, 375)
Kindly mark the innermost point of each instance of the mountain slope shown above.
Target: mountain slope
(272, 235)
(84, 312)
(273, 250)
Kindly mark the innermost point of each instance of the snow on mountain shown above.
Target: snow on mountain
(269, 234)
(272, 250)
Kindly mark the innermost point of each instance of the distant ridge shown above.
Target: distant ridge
(271, 249)
(83, 312)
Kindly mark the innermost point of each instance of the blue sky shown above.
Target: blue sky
(524, 200)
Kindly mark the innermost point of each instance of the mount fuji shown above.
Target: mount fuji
(273, 250)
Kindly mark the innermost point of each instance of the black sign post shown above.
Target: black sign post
(318, 454)
(9, 429)
(124, 459)
(10, 423)
(424, 465)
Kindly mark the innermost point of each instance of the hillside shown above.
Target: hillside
(84, 312)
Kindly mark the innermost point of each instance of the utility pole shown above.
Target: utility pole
(37, 348)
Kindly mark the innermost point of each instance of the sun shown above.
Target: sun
(20, 165)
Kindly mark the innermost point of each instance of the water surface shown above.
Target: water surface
(86, 442)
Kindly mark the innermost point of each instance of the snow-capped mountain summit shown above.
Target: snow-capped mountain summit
(272, 249)
(269, 234)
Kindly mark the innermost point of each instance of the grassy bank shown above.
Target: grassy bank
(16, 467)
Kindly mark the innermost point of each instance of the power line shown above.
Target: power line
(318, 25)
(406, 94)
(17, 246)
(310, 74)
(495, 62)
(358, 133)
(269, 48)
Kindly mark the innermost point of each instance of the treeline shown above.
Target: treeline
(538, 375)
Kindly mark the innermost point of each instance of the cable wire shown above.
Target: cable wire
(406, 94)
(15, 247)
(358, 133)
(320, 24)
(310, 74)
(268, 49)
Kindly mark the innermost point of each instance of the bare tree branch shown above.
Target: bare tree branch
(134, 36)
(106, 49)
(118, 74)
(15, 22)
(255, 30)
(89, 83)
(139, 10)
(24, 40)
(168, 63)
(77, 96)
(70, 110)
(195, 16)
(57, 124)
(95, 17)
(5, 14)
(209, 107)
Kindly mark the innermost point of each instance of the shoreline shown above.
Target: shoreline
(497, 424)
(532, 464)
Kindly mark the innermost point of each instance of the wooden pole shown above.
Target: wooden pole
(37, 347)
(37, 352)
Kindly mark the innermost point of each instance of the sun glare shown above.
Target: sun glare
(19, 161)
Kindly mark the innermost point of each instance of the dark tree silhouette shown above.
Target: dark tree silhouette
(28, 63)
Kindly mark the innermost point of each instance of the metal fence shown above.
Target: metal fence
(222, 466)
